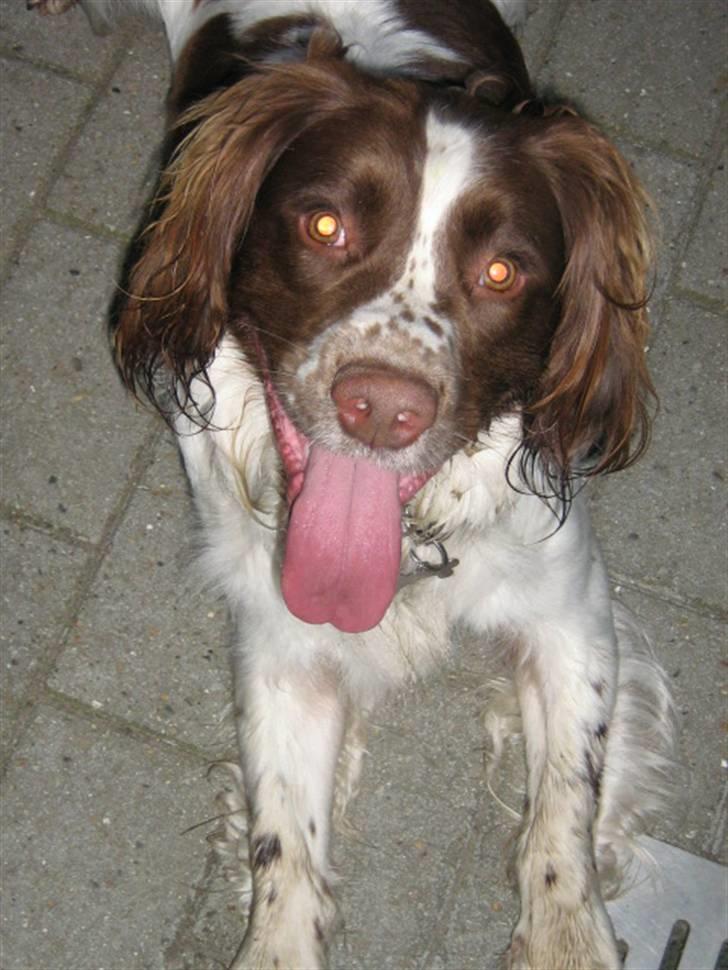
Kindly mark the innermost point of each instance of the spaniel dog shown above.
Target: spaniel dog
(394, 307)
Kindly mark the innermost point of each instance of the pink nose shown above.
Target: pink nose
(383, 408)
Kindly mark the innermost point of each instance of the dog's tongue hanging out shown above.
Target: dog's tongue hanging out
(343, 545)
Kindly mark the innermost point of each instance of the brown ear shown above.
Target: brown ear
(174, 305)
(593, 409)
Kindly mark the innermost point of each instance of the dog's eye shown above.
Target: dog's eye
(326, 228)
(500, 274)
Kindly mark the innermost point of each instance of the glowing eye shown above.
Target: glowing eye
(326, 228)
(500, 274)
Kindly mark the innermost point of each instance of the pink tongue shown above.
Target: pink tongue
(343, 546)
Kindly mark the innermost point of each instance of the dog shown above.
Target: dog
(393, 306)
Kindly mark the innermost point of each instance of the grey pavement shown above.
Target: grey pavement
(114, 664)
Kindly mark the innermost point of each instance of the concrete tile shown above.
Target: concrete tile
(149, 646)
(71, 430)
(39, 577)
(64, 41)
(671, 185)
(537, 34)
(33, 128)
(111, 169)
(705, 269)
(213, 930)
(96, 859)
(413, 818)
(653, 69)
(663, 522)
(691, 649)
(478, 927)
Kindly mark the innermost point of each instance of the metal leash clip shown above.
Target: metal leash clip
(431, 536)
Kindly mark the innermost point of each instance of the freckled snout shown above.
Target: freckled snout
(382, 407)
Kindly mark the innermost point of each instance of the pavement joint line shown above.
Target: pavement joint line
(197, 898)
(22, 229)
(47, 67)
(537, 63)
(695, 207)
(708, 303)
(693, 604)
(120, 725)
(478, 830)
(98, 230)
(142, 460)
(627, 136)
(438, 933)
(36, 523)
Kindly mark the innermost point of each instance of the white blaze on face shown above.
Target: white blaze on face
(449, 168)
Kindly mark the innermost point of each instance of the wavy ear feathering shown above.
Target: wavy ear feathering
(173, 308)
(593, 413)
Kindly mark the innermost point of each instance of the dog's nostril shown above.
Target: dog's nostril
(382, 407)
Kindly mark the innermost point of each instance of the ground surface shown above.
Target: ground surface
(115, 671)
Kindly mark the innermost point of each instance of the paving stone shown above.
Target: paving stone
(414, 817)
(484, 911)
(149, 645)
(663, 522)
(126, 126)
(536, 35)
(671, 185)
(96, 859)
(705, 269)
(653, 63)
(66, 42)
(74, 431)
(39, 576)
(212, 932)
(33, 129)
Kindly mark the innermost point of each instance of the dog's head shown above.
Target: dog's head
(403, 265)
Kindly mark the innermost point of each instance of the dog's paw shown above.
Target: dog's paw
(578, 940)
(46, 7)
(289, 927)
(281, 954)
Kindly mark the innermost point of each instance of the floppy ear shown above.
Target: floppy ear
(592, 414)
(174, 304)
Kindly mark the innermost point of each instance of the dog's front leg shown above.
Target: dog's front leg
(566, 686)
(290, 725)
